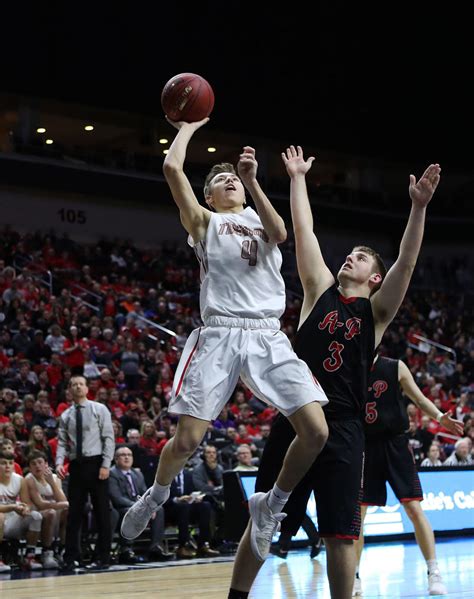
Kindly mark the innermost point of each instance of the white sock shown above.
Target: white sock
(432, 565)
(277, 499)
(159, 493)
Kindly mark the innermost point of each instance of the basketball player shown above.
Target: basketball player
(242, 299)
(388, 456)
(342, 321)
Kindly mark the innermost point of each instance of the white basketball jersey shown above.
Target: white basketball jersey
(10, 493)
(45, 490)
(240, 268)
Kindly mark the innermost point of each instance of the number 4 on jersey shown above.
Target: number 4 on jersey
(249, 251)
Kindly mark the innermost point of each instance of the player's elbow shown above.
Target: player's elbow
(280, 236)
(170, 168)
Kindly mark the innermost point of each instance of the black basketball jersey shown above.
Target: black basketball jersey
(337, 342)
(385, 411)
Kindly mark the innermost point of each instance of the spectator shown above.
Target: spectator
(461, 455)
(432, 458)
(208, 476)
(37, 442)
(260, 443)
(39, 351)
(130, 365)
(74, 349)
(184, 505)
(21, 341)
(91, 370)
(23, 383)
(228, 453)
(244, 460)
(56, 339)
(18, 421)
(7, 445)
(125, 484)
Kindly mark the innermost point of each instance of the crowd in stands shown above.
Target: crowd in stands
(121, 316)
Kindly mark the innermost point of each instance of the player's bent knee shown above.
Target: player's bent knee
(185, 445)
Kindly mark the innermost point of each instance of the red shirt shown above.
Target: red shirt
(55, 374)
(151, 445)
(76, 357)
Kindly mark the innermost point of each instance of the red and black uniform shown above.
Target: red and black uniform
(337, 342)
(388, 456)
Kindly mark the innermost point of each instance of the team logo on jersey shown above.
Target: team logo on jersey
(331, 322)
(353, 327)
(378, 387)
(234, 229)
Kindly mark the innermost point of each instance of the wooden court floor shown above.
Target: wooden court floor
(388, 570)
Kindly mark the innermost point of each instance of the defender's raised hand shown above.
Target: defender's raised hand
(295, 162)
(422, 191)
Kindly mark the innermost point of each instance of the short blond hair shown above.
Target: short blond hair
(223, 167)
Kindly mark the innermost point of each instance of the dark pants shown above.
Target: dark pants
(157, 527)
(185, 513)
(84, 480)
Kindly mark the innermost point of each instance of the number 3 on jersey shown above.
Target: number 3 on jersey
(335, 361)
(249, 251)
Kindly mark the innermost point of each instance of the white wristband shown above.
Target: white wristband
(439, 416)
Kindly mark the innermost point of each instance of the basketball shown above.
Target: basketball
(187, 97)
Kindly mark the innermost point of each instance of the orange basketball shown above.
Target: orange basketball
(187, 97)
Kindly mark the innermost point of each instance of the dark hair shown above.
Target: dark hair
(36, 455)
(379, 267)
(6, 455)
(223, 167)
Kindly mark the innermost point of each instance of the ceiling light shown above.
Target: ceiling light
(89, 128)
(49, 142)
(165, 151)
(211, 149)
(163, 140)
(41, 130)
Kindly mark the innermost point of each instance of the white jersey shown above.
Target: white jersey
(240, 268)
(44, 489)
(10, 493)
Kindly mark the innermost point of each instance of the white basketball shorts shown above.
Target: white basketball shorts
(255, 350)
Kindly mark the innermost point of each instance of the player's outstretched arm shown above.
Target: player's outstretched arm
(314, 274)
(272, 222)
(195, 218)
(411, 390)
(386, 301)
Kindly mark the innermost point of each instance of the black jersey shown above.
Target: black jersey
(385, 411)
(337, 342)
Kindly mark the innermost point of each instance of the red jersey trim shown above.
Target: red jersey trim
(347, 300)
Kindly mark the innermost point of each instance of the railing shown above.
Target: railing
(431, 343)
(86, 292)
(42, 275)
